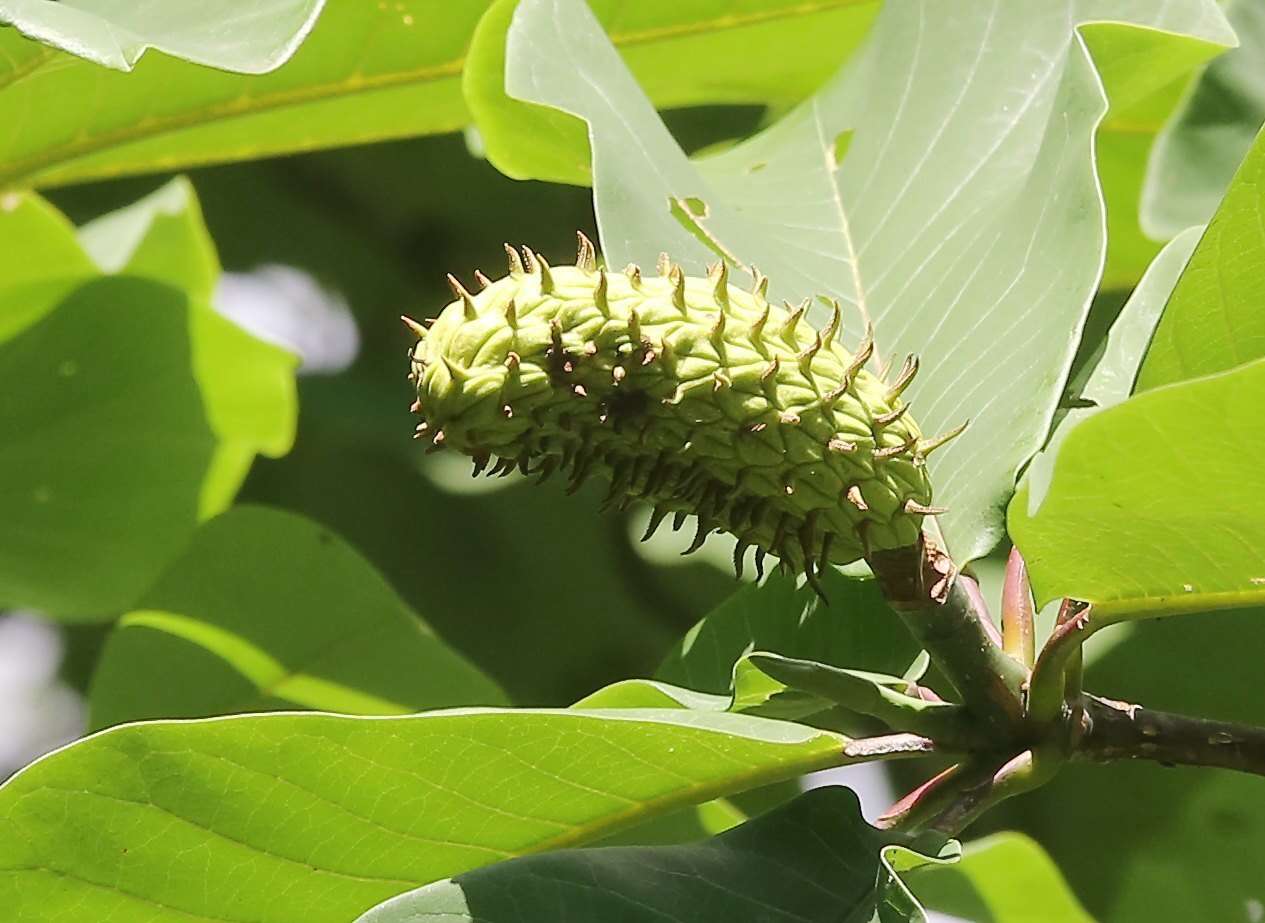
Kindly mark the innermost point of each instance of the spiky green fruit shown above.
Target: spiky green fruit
(688, 393)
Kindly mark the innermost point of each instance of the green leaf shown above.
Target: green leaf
(1196, 154)
(1135, 498)
(813, 861)
(367, 72)
(1112, 377)
(249, 36)
(102, 461)
(1213, 321)
(1005, 878)
(251, 397)
(40, 261)
(99, 464)
(316, 817)
(217, 633)
(856, 629)
(959, 171)
(681, 54)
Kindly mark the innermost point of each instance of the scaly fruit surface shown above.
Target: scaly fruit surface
(687, 393)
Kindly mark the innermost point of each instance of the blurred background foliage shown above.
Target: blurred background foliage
(551, 620)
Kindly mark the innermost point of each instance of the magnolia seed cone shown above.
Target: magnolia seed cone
(687, 393)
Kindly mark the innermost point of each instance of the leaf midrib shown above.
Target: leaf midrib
(18, 171)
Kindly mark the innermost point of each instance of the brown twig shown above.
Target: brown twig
(1123, 731)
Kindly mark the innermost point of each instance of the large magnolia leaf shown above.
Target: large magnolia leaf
(141, 408)
(1131, 501)
(102, 459)
(268, 610)
(1214, 319)
(370, 71)
(318, 818)
(1142, 518)
(250, 36)
(1195, 156)
(968, 132)
(815, 860)
(249, 386)
(367, 72)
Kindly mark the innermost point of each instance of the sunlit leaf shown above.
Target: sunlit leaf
(318, 818)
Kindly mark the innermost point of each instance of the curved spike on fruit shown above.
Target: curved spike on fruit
(585, 253)
(677, 279)
(511, 313)
(835, 327)
(678, 520)
(601, 296)
(529, 259)
(580, 473)
(886, 419)
(483, 280)
(771, 370)
(547, 468)
(515, 262)
(664, 264)
(755, 333)
(439, 439)
(864, 351)
(915, 508)
(414, 327)
(740, 554)
(717, 332)
(853, 496)
(507, 411)
(480, 462)
(805, 356)
(811, 578)
(759, 285)
(823, 556)
(415, 407)
(907, 373)
(927, 446)
(633, 272)
(513, 361)
(460, 292)
(720, 381)
(456, 372)
(841, 446)
(718, 275)
(795, 313)
(634, 325)
(759, 564)
(546, 277)
(701, 532)
(892, 451)
(659, 514)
